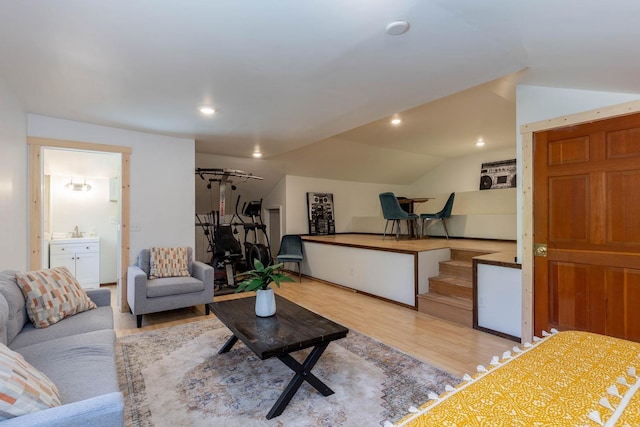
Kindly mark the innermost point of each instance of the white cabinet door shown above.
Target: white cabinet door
(88, 269)
(65, 260)
(82, 258)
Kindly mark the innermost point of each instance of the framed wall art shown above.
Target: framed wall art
(321, 214)
(495, 175)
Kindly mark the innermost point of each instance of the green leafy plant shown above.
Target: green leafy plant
(261, 277)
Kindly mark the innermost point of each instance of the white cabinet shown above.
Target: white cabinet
(81, 256)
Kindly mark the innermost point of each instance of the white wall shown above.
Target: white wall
(535, 103)
(277, 199)
(13, 182)
(93, 214)
(162, 179)
(488, 214)
(457, 175)
(350, 200)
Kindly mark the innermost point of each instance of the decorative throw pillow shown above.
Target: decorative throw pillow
(23, 388)
(51, 295)
(168, 262)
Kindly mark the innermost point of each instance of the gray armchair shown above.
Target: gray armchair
(146, 295)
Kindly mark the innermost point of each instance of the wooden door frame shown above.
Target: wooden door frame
(35, 196)
(527, 132)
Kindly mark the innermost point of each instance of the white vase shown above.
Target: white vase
(265, 303)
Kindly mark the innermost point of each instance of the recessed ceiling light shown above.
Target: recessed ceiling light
(397, 27)
(207, 110)
(396, 121)
(480, 142)
(257, 154)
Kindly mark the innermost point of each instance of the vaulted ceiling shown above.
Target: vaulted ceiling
(312, 84)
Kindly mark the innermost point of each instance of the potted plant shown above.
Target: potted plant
(259, 280)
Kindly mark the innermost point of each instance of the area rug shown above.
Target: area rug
(175, 377)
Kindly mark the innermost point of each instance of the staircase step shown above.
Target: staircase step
(465, 255)
(451, 286)
(453, 309)
(456, 268)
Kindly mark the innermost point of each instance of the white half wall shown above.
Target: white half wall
(162, 179)
(499, 299)
(13, 182)
(386, 274)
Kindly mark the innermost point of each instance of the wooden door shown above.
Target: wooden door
(587, 212)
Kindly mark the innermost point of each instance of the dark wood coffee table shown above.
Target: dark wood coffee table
(291, 329)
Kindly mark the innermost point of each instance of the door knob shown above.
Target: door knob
(540, 249)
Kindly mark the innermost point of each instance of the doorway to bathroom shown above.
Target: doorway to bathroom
(81, 209)
(37, 184)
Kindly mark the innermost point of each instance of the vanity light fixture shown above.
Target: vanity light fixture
(207, 110)
(480, 142)
(71, 186)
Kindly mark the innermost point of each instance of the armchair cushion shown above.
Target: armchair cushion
(168, 262)
(51, 295)
(173, 286)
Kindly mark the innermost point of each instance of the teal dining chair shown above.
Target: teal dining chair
(439, 216)
(392, 211)
(291, 251)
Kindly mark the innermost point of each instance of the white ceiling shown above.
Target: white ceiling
(313, 83)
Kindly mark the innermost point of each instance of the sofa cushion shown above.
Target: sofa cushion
(173, 286)
(17, 313)
(168, 262)
(23, 388)
(82, 366)
(87, 321)
(51, 295)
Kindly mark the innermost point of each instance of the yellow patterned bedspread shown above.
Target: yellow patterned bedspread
(567, 379)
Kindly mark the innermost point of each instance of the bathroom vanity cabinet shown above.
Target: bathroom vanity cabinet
(81, 256)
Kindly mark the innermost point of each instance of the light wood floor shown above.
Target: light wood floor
(453, 348)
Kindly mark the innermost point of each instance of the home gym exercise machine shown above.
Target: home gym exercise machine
(253, 249)
(226, 251)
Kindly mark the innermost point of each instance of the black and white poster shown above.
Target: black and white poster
(495, 175)
(321, 214)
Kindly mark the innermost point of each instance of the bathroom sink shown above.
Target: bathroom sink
(75, 240)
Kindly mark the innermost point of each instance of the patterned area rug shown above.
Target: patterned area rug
(175, 377)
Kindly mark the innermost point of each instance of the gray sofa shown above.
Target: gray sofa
(77, 354)
(146, 295)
